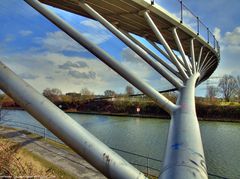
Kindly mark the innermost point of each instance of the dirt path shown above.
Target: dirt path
(65, 159)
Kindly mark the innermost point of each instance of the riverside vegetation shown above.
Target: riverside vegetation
(142, 106)
(222, 102)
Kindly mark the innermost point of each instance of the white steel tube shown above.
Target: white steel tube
(130, 43)
(165, 64)
(203, 62)
(165, 53)
(65, 128)
(165, 44)
(160, 50)
(210, 64)
(181, 50)
(104, 57)
(207, 61)
(199, 58)
(193, 55)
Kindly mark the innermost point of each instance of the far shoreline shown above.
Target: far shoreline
(162, 117)
(152, 116)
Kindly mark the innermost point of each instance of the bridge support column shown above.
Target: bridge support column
(184, 156)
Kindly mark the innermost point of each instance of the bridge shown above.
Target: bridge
(189, 59)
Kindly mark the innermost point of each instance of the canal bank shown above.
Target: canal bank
(56, 154)
(144, 116)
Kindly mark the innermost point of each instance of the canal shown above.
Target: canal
(147, 136)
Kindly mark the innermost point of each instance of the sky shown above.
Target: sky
(46, 57)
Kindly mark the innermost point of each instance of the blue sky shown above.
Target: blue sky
(45, 57)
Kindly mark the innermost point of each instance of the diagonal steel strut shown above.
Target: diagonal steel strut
(137, 49)
(193, 55)
(165, 64)
(199, 58)
(165, 44)
(181, 50)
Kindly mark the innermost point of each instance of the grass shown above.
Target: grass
(13, 163)
(18, 161)
(49, 141)
(39, 161)
(223, 103)
(58, 145)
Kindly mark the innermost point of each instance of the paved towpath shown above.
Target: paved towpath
(65, 159)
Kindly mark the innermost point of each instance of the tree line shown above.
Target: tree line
(56, 94)
(130, 103)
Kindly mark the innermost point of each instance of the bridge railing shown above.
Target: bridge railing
(148, 165)
(186, 16)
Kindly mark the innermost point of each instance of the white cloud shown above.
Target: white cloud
(28, 76)
(59, 41)
(97, 38)
(217, 33)
(190, 20)
(230, 52)
(69, 65)
(49, 78)
(232, 38)
(97, 76)
(230, 41)
(82, 75)
(9, 38)
(136, 64)
(25, 33)
(93, 24)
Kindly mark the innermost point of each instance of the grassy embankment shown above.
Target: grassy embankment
(17, 161)
(41, 167)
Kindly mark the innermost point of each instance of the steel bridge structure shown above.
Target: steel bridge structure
(196, 60)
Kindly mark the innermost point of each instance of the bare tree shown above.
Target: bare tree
(129, 90)
(109, 93)
(86, 93)
(212, 92)
(228, 86)
(52, 94)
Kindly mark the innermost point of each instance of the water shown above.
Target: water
(148, 137)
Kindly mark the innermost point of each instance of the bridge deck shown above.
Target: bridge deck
(125, 14)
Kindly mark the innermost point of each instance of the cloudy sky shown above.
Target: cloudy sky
(45, 57)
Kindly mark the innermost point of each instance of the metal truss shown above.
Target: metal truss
(184, 154)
